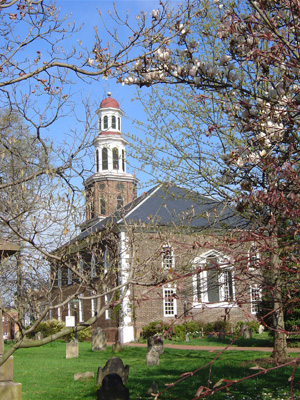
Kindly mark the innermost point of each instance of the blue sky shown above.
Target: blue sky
(86, 12)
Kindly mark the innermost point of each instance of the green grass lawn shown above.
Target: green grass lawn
(46, 374)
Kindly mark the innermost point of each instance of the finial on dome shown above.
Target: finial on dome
(108, 94)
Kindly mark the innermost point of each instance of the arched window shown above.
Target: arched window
(120, 202)
(113, 122)
(104, 159)
(123, 160)
(99, 124)
(119, 123)
(115, 158)
(105, 122)
(97, 160)
(102, 206)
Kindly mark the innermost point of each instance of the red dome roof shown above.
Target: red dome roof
(109, 102)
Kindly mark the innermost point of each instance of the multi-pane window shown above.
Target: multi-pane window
(167, 258)
(93, 307)
(169, 303)
(80, 311)
(120, 202)
(215, 281)
(97, 160)
(69, 277)
(104, 158)
(123, 160)
(59, 277)
(255, 297)
(115, 152)
(108, 312)
(105, 122)
(93, 265)
(253, 257)
(102, 206)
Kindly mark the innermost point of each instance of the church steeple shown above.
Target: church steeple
(110, 187)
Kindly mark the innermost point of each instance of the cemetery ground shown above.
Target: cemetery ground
(46, 374)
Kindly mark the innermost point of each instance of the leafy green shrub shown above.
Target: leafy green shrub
(222, 326)
(53, 326)
(154, 328)
(251, 324)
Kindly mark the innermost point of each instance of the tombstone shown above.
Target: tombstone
(99, 341)
(117, 347)
(261, 329)
(157, 343)
(153, 389)
(152, 357)
(113, 366)
(112, 388)
(72, 350)
(221, 334)
(247, 332)
(39, 336)
(84, 376)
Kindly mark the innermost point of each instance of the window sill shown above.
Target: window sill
(221, 304)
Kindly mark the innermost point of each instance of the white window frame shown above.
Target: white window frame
(200, 278)
(108, 312)
(93, 265)
(59, 277)
(255, 257)
(167, 304)
(59, 317)
(93, 307)
(254, 302)
(80, 311)
(167, 258)
(69, 277)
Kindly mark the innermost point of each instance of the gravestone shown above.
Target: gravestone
(153, 389)
(155, 349)
(112, 388)
(152, 357)
(246, 331)
(221, 334)
(39, 336)
(113, 366)
(72, 350)
(99, 341)
(157, 343)
(84, 376)
(261, 329)
(117, 347)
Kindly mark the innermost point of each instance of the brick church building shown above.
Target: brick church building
(157, 257)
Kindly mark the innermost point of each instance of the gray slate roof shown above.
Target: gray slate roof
(169, 205)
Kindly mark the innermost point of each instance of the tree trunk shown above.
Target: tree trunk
(280, 353)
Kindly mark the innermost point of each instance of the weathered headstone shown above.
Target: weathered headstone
(246, 331)
(155, 349)
(112, 388)
(157, 343)
(152, 357)
(99, 341)
(221, 334)
(117, 347)
(72, 350)
(113, 366)
(83, 376)
(38, 336)
(261, 329)
(153, 388)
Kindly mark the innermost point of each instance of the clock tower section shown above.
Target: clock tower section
(110, 188)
